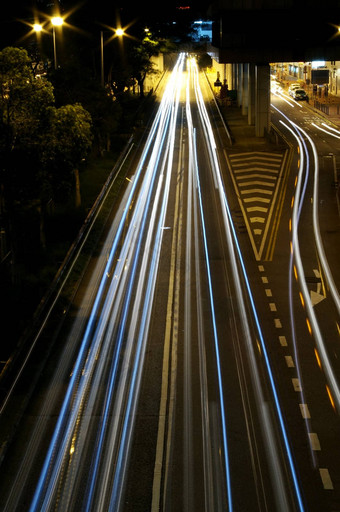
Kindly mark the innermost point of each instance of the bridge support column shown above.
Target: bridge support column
(229, 75)
(251, 94)
(245, 89)
(234, 75)
(239, 84)
(262, 100)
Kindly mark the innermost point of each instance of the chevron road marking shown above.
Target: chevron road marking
(257, 177)
(247, 183)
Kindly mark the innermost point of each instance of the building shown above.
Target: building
(247, 36)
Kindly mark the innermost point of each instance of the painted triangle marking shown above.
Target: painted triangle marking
(249, 172)
(316, 297)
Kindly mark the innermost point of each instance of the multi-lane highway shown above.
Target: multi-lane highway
(197, 367)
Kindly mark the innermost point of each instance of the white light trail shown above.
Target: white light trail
(327, 131)
(331, 128)
(330, 375)
(298, 203)
(316, 226)
(287, 99)
(95, 341)
(149, 270)
(233, 250)
(193, 160)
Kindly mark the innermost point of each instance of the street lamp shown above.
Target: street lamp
(118, 32)
(37, 27)
(56, 21)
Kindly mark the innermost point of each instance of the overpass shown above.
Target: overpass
(250, 34)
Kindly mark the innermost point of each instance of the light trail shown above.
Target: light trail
(316, 226)
(327, 131)
(187, 391)
(116, 493)
(142, 208)
(78, 368)
(329, 372)
(195, 175)
(282, 499)
(286, 98)
(216, 341)
(297, 208)
(331, 128)
(83, 371)
(92, 344)
(116, 496)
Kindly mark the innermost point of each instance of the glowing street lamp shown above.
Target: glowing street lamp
(37, 27)
(56, 21)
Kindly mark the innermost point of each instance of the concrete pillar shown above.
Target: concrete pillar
(234, 74)
(230, 76)
(251, 94)
(227, 74)
(239, 84)
(262, 100)
(224, 74)
(245, 95)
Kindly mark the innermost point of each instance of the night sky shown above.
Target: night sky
(91, 12)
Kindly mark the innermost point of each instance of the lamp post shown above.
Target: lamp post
(117, 32)
(56, 21)
(102, 58)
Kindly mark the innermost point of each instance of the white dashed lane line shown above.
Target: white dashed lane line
(304, 410)
(326, 479)
(289, 362)
(283, 341)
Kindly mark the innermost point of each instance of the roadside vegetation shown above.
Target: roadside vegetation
(60, 136)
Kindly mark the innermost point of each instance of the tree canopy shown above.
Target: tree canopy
(41, 146)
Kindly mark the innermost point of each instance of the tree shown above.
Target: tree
(140, 60)
(74, 84)
(70, 140)
(24, 103)
(40, 147)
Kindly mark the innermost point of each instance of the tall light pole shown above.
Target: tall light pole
(118, 32)
(56, 21)
(102, 58)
